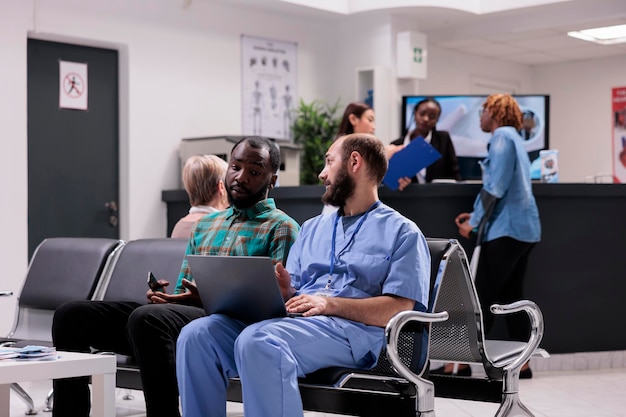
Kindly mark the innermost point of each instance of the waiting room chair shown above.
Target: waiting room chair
(127, 282)
(61, 269)
(460, 339)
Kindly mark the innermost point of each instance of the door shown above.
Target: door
(72, 154)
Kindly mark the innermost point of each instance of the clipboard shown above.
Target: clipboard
(409, 161)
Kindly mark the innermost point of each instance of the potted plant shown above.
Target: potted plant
(315, 128)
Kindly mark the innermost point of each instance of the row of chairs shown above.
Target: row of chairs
(61, 269)
(68, 269)
(64, 269)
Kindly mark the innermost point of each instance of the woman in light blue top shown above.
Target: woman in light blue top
(506, 211)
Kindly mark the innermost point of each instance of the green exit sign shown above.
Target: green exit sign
(417, 55)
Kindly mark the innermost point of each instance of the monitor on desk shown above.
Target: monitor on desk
(459, 116)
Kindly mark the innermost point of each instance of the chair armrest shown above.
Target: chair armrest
(6, 293)
(392, 333)
(425, 389)
(536, 329)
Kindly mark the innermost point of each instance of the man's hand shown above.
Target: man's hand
(189, 297)
(462, 222)
(151, 293)
(284, 281)
(374, 311)
(309, 305)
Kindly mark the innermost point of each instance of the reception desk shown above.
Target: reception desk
(576, 274)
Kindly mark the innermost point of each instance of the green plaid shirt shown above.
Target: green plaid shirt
(261, 230)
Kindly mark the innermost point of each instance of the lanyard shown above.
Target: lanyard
(332, 248)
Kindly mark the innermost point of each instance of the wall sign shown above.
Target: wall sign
(269, 87)
(619, 134)
(73, 85)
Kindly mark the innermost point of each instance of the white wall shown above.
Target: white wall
(360, 42)
(13, 179)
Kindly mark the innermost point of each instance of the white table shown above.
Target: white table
(100, 367)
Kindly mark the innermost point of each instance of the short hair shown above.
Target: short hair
(504, 110)
(427, 100)
(260, 142)
(371, 149)
(201, 176)
(357, 108)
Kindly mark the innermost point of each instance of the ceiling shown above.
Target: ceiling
(534, 36)
(531, 36)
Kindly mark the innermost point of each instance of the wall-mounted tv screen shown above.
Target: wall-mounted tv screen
(459, 116)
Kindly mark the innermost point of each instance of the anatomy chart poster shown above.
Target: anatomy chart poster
(269, 81)
(619, 134)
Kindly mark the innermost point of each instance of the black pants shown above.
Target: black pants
(500, 280)
(148, 332)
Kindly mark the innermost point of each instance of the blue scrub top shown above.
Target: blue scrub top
(388, 256)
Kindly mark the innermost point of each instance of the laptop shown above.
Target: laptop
(242, 287)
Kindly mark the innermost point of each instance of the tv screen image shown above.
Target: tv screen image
(459, 116)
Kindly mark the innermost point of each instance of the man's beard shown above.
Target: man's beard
(250, 200)
(343, 188)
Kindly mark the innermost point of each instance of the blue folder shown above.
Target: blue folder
(409, 161)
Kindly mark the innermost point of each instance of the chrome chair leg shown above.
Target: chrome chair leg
(30, 406)
(49, 402)
(512, 406)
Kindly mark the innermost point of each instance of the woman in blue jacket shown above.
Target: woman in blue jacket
(506, 210)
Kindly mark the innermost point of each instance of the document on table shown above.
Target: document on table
(28, 353)
(409, 161)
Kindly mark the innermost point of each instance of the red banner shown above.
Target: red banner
(619, 134)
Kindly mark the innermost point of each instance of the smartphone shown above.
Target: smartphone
(153, 283)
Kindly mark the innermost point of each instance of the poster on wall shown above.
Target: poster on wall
(73, 85)
(619, 134)
(269, 93)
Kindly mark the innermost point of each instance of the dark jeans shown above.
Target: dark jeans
(500, 280)
(148, 332)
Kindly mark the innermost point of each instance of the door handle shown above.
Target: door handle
(113, 221)
(111, 205)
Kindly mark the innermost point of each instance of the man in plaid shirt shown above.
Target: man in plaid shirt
(252, 226)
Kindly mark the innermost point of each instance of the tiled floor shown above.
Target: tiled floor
(588, 393)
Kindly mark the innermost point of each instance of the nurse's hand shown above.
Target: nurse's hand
(403, 182)
(284, 281)
(390, 150)
(308, 305)
(462, 222)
